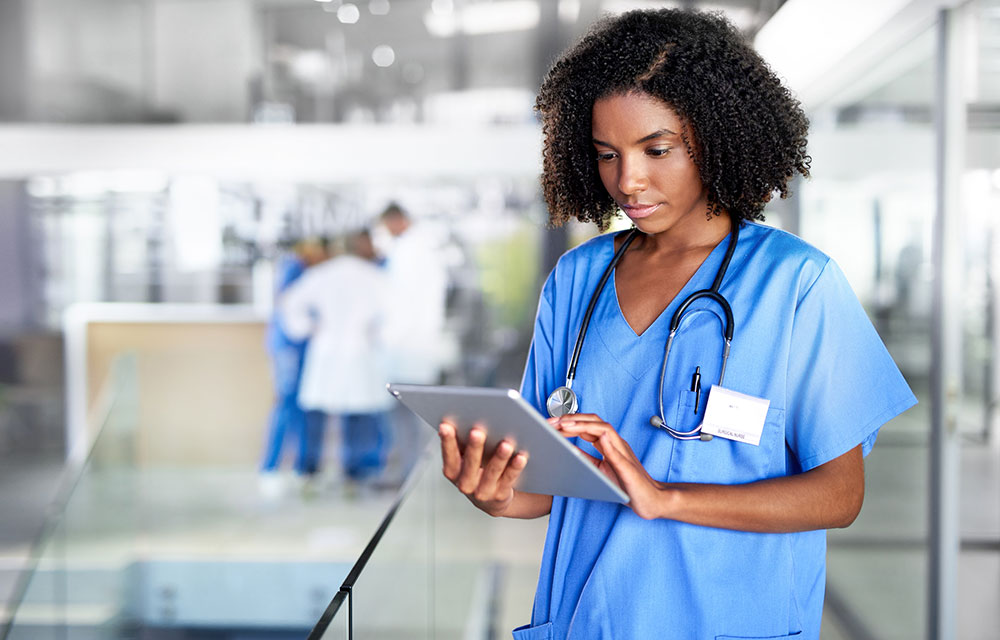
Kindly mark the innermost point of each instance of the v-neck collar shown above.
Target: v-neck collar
(616, 335)
(701, 279)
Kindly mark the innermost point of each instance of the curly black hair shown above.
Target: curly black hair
(746, 132)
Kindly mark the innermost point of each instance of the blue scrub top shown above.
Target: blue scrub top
(289, 269)
(803, 341)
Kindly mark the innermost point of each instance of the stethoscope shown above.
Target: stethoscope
(564, 401)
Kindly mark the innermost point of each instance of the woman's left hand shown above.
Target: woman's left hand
(618, 463)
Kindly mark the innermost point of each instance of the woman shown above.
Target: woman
(671, 118)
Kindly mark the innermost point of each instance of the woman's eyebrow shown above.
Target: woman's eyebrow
(656, 134)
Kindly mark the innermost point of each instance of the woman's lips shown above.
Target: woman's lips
(636, 211)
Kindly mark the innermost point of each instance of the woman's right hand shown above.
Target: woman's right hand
(491, 486)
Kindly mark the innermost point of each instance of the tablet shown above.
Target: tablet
(555, 466)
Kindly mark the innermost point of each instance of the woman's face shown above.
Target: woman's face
(644, 164)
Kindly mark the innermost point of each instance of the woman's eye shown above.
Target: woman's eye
(656, 152)
(605, 156)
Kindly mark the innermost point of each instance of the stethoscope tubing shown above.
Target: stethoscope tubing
(693, 434)
(571, 373)
(712, 294)
(568, 396)
(728, 327)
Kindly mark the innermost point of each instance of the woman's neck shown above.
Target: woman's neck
(691, 237)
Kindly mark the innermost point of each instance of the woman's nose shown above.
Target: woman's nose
(632, 177)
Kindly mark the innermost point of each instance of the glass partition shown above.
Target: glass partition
(979, 560)
(875, 162)
(870, 206)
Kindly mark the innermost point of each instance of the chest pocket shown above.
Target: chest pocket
(722, 461)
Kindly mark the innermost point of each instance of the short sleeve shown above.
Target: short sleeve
(842, 383)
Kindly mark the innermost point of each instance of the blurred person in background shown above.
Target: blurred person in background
(288, 421)
(418, 279)
(339, 305)
(416, 266)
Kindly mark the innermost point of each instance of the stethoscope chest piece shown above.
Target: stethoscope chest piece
(561, 402)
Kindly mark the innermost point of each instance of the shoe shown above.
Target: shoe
(271, 486)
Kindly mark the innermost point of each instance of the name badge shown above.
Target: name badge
(735, 416)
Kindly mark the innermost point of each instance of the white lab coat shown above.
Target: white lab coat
(341, 305)
(418, 282)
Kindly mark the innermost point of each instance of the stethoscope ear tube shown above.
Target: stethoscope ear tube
(727, 329)
(563, 400)
(571, 372)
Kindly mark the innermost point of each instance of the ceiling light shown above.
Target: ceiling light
(310, 66)
(481, 18)
(383, 55)
(348, 13)
(378, 7)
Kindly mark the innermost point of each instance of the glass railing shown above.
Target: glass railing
(64, 587)
(438, 568)
(158, 532)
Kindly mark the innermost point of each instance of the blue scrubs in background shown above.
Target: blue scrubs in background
(288, 420)
(803, 341)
